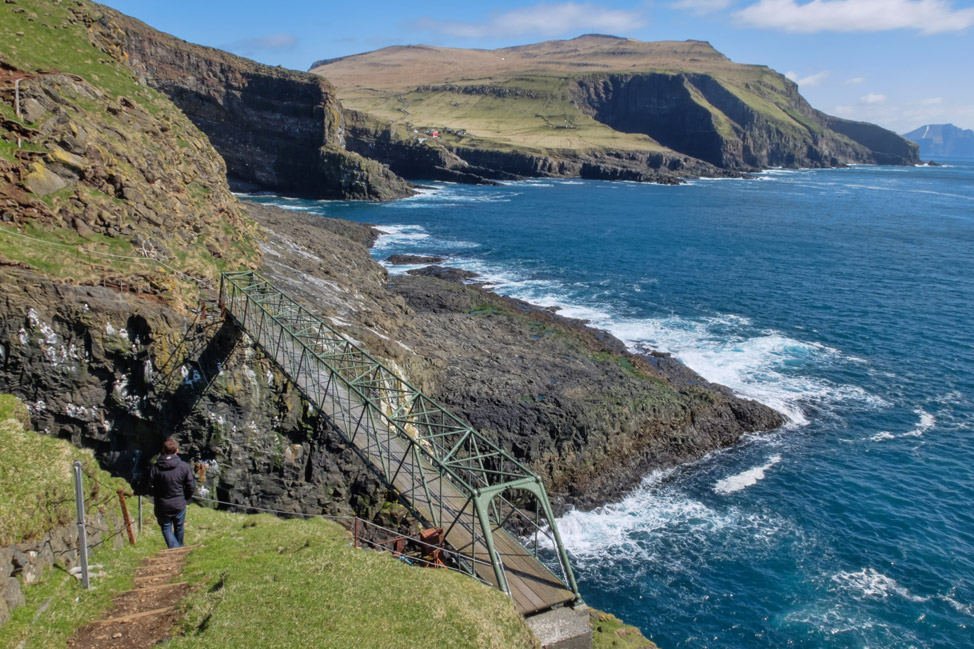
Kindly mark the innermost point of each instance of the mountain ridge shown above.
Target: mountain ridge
(607, 102)
(943, 140)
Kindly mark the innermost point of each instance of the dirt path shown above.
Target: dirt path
(143, 616)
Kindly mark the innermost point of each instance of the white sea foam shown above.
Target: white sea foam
(641, 529)
(833, 619)
(398, 235)
(294, 207)
(764, 366)
(870, 583)
(761, 367)
(745, 479)
(619, 529)
(966, 609)
(444, 194)
(926, 422)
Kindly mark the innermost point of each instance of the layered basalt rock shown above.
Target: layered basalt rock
(699, 116)
(278, 130)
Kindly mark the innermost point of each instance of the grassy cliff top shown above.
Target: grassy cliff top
(525, 97)
(403, 67)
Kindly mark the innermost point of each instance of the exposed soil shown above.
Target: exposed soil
(145, 615)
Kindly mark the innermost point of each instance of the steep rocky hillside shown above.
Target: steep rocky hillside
(277, 129)
(102, 181)
(590, 105)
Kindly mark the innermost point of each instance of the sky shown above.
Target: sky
(898, 63)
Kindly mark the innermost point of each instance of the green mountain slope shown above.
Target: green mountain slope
(605, 96)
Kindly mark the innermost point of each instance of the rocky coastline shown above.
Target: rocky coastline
(117, 220)
(567, 399)
(114, 372)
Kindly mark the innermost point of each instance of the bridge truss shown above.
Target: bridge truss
(448, 474)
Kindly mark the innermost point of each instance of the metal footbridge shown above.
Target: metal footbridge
(448, 474)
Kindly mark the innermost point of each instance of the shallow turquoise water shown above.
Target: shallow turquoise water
(843, 298)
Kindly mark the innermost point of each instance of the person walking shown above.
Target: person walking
(171, 483)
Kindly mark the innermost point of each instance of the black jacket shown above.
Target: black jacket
(171, 483)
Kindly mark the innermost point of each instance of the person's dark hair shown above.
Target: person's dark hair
(170, 447)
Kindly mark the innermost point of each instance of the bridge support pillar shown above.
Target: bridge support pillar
(563, 628)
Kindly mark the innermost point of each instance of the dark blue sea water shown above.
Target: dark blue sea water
(845, 299)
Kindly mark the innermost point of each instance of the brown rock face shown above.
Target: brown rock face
(277, 129)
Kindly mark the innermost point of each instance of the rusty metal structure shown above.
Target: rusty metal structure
(448, 474)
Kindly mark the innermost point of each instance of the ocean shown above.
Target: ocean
(844, 298)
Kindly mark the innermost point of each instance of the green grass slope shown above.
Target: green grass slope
(37, 495)
(271, 583)
(525, 112)
(37, 478)
(256, 580)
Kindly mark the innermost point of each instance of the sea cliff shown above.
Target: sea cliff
(277, 129)
(593, 107)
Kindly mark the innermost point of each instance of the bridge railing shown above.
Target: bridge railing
(413, 440)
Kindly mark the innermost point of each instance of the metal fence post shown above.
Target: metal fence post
(140, 514)
(82, 531)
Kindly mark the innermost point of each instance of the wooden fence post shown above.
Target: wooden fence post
(125, 516)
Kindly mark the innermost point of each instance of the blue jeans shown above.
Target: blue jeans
(172, 529)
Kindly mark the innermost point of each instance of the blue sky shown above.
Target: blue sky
(898, 63)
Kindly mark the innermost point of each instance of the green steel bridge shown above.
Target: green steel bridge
(448, 474)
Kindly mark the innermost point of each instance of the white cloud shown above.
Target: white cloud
(542, 19)
(810, 81)
(267, 42)
(902, 119)
(925, 16)
(701, 7)
(932, 101)
(872, 98)
(854, 81)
